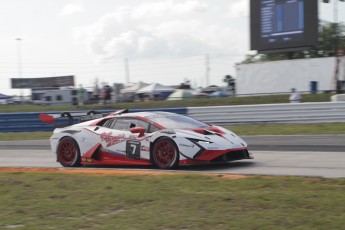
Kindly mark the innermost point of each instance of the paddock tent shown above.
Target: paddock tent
(156, 90)
(4, 97)
(181, 94)
(135, 87)
(128, 94)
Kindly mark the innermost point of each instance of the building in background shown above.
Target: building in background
(57, 97)
(45, 90)
(51, 90)
(314, 74)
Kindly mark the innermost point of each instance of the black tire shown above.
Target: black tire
(68, 153)
(165, 154)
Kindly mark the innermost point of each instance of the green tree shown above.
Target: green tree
(231, 83)
(331, 38)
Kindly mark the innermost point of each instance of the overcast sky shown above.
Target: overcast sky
(164, 41)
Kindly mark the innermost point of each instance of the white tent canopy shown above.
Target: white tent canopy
(180, 94)
(135, 87)
(155, 88)
(3, 96)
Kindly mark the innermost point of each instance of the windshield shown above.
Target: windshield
(178, 122)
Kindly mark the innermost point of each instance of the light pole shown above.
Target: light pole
(127, 72)
(207, 68)
(337, 60)
(20, 72)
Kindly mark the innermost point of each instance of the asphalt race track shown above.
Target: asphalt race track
(313, 156)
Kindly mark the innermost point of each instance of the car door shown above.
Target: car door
(138, 146)
(116, 137)
(113, 138)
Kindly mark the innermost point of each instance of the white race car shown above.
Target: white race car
(163, 139)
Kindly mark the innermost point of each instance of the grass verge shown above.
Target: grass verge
(25, 136)
(187, 201)
(261, 129)
(270, 99)
(289, 129)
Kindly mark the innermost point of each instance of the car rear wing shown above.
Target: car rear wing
(82, 116)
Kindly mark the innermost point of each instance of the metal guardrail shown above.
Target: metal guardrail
(245, 114)
(30, 122)
(324, 112)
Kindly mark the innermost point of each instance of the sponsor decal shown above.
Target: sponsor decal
(132, 136)
(117, 152)
(170, 132)
(188, 146)
(112, 140)
(145, 148)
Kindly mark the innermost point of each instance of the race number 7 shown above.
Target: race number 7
(133, 149)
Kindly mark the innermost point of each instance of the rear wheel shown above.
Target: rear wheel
(165, 154)
(68, 153)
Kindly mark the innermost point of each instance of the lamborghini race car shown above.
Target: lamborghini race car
(162, 139)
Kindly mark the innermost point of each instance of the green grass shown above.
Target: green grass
(170, 104)
(289, 129)
(25, 136)
(260, 129)
(65, 201)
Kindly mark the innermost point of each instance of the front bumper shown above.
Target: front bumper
(234, 156)
(217, 156)
(229, 154)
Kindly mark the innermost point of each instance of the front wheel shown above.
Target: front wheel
(68, 153)
(165, 153)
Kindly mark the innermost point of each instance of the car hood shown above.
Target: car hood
(215, 134)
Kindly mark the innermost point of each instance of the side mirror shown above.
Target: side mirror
(139, 130)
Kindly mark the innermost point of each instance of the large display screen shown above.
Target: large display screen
(283, 24)
(44, 82)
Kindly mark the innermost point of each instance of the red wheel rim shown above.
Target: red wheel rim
(67, 152)
(164, 153)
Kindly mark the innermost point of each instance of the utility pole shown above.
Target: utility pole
(127, 72)
(207, 73)
(20, 71)
(337, 59)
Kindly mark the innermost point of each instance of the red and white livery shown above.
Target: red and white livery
(163, 139)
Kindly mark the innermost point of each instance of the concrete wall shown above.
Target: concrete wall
(281, 76)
